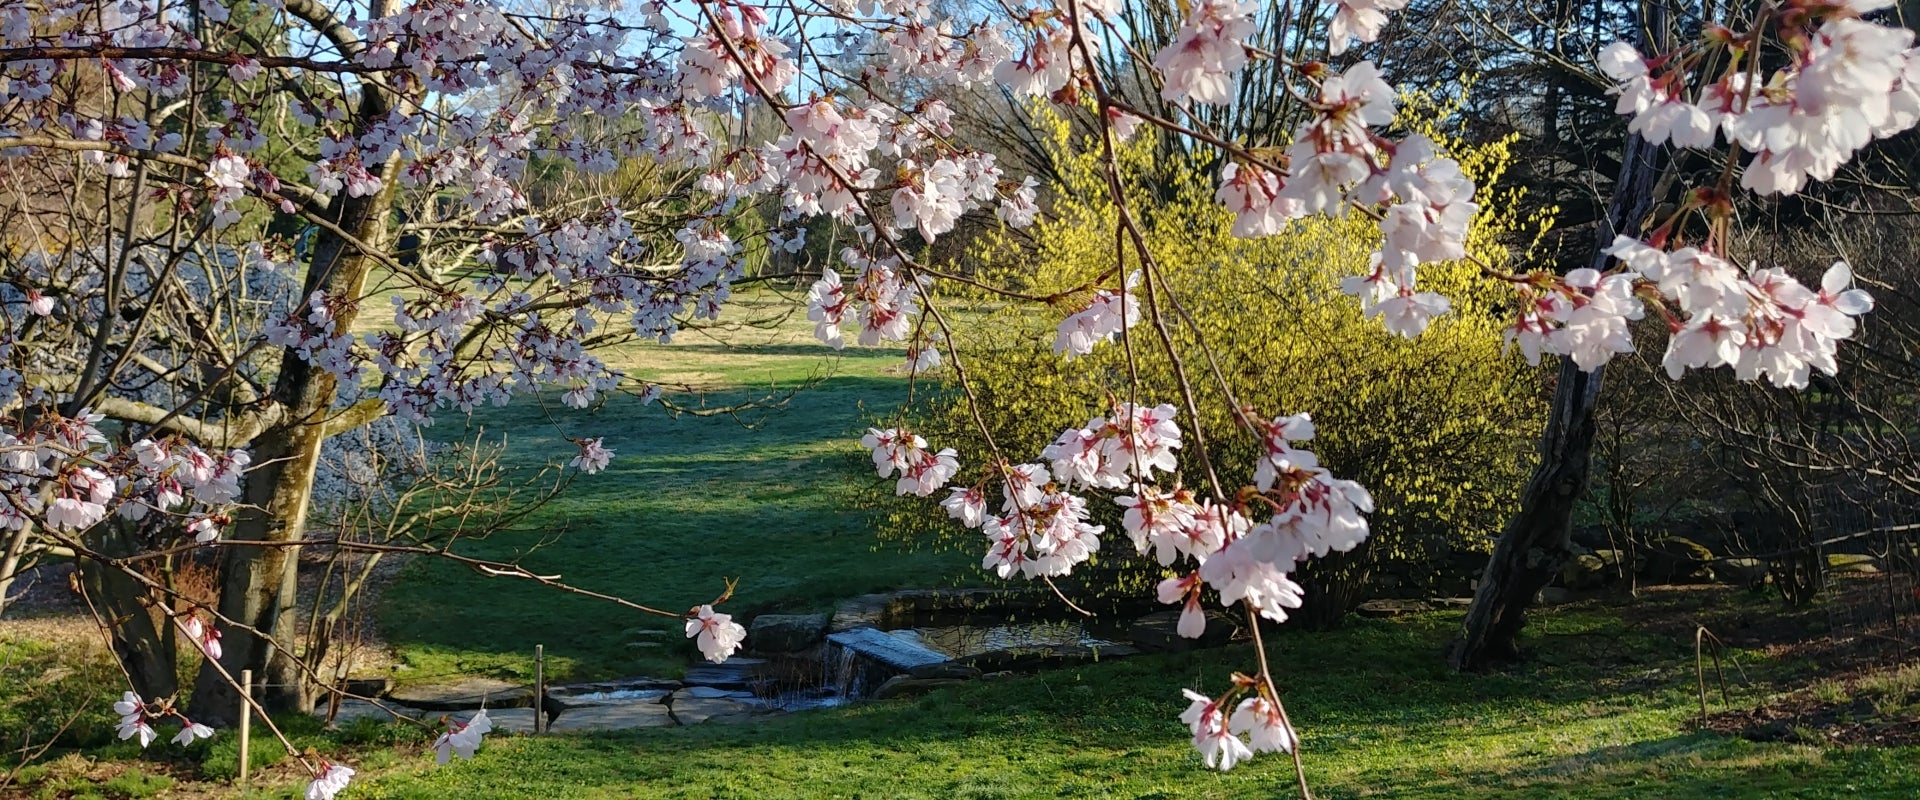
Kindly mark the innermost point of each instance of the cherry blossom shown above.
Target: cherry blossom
(717, 635)
(461, 738)
(1200, 63)
(1260, 719)
(1211, 736)
(331, 781)
(921, 472)
(593, 457)
(1358, 20)
(190, 732)
(1108, 314)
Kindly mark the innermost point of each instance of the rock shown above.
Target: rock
(892, 651)
(1030, 659)
(625, 690)
(691, 710)
(1852, 562)
(865, 611)
(1591, 570)
(786, 633)
(945, 670)
(909, 686)
(1556, 596)
(1676, 560)
(709, 693)
(464, 694)
(1159, 632)
(1740, 571)
(1387, 609)
(352, 708)
(1451, 602)
(613, 717)
(368, 687)
(1584, 572)
(736, 673)
(505, 720)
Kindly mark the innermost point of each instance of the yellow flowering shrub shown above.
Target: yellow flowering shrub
(1440, 428)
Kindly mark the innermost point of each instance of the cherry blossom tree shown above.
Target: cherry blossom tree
(172, 116)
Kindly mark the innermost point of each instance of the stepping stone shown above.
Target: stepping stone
(690, 710)
(353, 708)
(709, 692)
(909, 686)
(613, 717)
(1160, 631)
(735, 673)
(1387, 608)
(625, 690)
(505, 720)
(465, 693)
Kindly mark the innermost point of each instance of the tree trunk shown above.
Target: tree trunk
(10, 562)
(146, 651)
(1536, 542)
(259, 585)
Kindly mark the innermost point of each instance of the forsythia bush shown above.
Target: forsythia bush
(1441, 428)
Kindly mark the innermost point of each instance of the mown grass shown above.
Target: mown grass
(771, 495)
(1604, 714)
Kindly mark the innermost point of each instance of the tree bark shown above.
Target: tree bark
(146, 651)
(259, 585)
(1536, 542)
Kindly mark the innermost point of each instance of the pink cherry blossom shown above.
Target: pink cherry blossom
(717, 635)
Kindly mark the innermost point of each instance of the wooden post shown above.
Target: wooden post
(246, 720)
(539, 688)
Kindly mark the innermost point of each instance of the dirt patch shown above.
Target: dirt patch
(1803, 718)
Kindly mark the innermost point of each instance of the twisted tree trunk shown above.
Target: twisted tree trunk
(1536, 542)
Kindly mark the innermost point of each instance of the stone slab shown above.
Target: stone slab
(625, 690)
(786, 633)
(466, 693)
(613, 717)
(353, 708)
(690, 710)
(505, 720)
(710, 692)
(889, 650)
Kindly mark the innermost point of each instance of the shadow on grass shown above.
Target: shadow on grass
(687, 504)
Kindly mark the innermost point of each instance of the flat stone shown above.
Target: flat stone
(1452, 602)
(625, 690)
(909, 686)
(505, 720)
(1030, 659)
(690, 710)
(786, 633)
(710, 692)
(734, 673)
(1159, 631)
(865, 611)
(1740, 571)
(353, 708)
(1556, 596)
(464, 694)
(946, 669)
(613, 717)
(1388, 609)
(1852, 562)
(889, 650)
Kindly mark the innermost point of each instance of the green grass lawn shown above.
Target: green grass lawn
(1604, 713)
(687, 503)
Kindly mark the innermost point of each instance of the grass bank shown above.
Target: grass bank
(771, 495)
